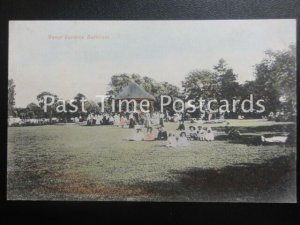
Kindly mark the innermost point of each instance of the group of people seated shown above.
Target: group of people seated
(149, 135)
(200, 133)
(100, 119)
(174, 141)
(171, 140)
(180, 138)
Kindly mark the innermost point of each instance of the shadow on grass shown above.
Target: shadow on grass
(272, 181)
(254, 129)
(255, 140)
(254, 134)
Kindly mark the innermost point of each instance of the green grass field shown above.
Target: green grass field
(72, 162)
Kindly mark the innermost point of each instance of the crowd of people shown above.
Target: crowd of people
(17, 121)
(124, 120)
(180, 138)
(130, 119)
(148, 127)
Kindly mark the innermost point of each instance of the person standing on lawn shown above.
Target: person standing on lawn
(161, 119)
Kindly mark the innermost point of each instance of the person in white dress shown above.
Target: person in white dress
(182, 140)
(210, 116)
(209, 136)
(201, 133)
(275, 139)
(117, 120)
(111, 120)
(137, 136)
(123, 121)
(98, 120)
(172, 141)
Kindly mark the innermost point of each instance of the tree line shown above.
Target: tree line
(275, 82)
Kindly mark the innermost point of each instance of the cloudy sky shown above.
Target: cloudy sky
(59, 56)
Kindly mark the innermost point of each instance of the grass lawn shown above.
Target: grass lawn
(72, 162)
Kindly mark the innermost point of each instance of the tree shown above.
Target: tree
(51, 109)
(117, 83)
(227, 81)
(229, 88)
(168, 89)
(21, 112)
(89, 106)
(92, 107)
(276, 79)
(11, 96)
(65, 115)
(221, 68)
(150, 85)
(34, 109)
(78, 103)
(201, 83)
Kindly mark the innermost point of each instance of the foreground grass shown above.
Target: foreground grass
(96, 163)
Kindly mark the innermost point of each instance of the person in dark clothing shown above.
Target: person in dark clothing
(162, 134)
(161, 119)
(131, 120)
(181, 126)
(233, 134)
(136, 118)
(131, 123)
(104, 120)
(93, 119)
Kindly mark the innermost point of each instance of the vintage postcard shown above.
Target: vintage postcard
(189, 111)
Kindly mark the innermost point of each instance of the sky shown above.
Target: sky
(70, 57)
